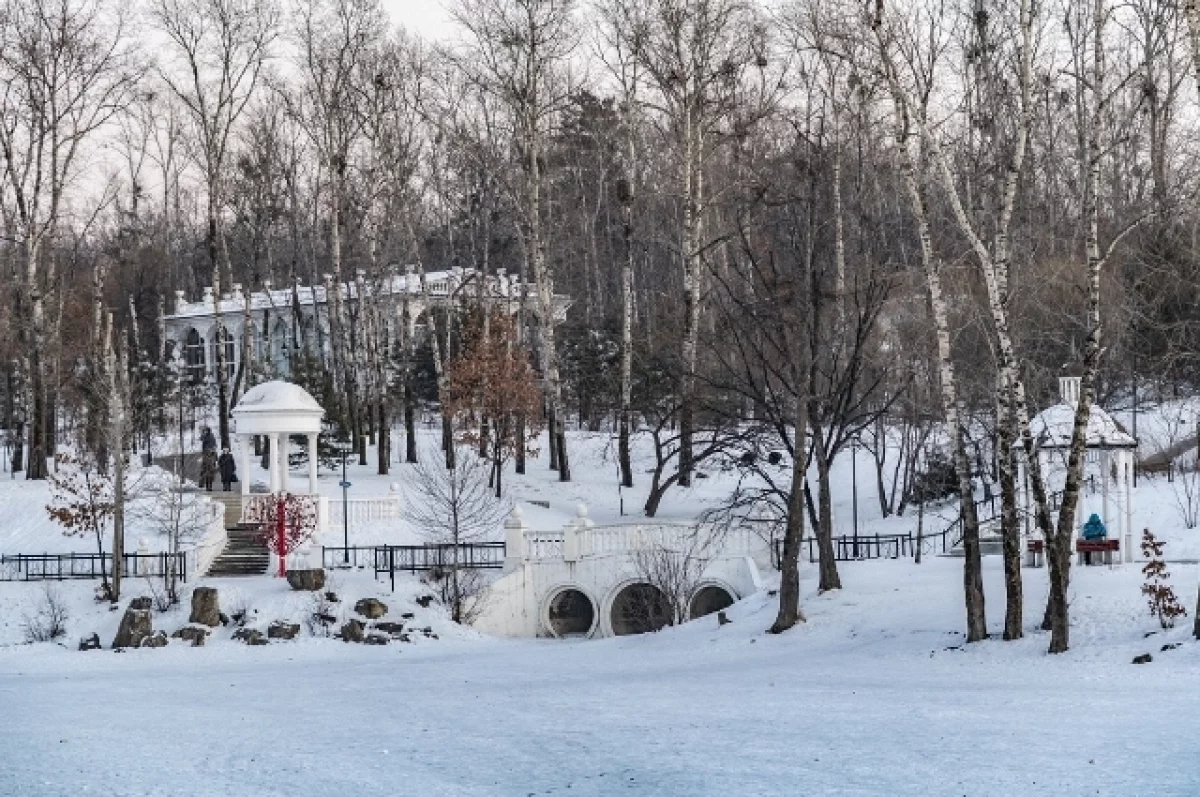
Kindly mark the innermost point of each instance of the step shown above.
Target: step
(986, 548)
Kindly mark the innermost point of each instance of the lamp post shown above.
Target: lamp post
(341, 443)
(854, 489)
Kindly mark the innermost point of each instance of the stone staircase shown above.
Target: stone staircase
(991, 541)
(245, 552)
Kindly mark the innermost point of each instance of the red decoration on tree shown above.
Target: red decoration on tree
(287, 522)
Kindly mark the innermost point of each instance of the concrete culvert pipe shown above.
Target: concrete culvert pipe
(571, 614)
(709, 599)
(639, 608)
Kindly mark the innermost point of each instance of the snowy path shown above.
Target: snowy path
(866, 699)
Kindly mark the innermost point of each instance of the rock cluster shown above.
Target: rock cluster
(307, 580)
(205, 608)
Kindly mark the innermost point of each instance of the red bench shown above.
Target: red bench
(1035, 551)
(1085, 548)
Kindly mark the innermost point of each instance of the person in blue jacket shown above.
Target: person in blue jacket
(1094, 528)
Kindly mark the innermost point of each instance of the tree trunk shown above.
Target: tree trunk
(972, 562)
(410, 422)
(1010, 524)
(214, 261)
(793, 532)
(829, 576)
(626, 420)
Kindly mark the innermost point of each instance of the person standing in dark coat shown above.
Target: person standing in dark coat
(228, 470)
(208, 469)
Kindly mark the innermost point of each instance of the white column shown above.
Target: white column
(1105, 465)
(283, 462)
(244, 441)
(273, 463)
(1128, 456)
(312, 464)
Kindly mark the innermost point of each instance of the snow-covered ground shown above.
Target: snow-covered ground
(874, 695)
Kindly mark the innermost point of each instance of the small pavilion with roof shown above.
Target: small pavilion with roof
(1108, 464)
(277, 410)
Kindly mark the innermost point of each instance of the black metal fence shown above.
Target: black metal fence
(874, 546)
(391, 559)
(62, 566)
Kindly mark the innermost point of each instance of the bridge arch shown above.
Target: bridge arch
(710, 596)
(569, 611)
(635, 606)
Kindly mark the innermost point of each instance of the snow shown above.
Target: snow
(874, 695)
(1054, 426)
(277, 396)
(26, 526)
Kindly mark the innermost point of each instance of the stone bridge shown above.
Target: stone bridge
(596, 581)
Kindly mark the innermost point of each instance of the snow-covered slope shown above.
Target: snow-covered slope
(875, 695)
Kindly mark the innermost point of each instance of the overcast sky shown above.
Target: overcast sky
(426, 17)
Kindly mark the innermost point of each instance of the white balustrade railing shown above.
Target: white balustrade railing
(363, 510)
(543, 544)
(211, 544)
(613, 540)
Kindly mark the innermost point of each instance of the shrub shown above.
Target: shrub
(1159, 594)
(49, 621)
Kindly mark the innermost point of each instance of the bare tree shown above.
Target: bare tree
(451, 507)
(220, 48)
(522, 48)
(66, 68)
(675, 570)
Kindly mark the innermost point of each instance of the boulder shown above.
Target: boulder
(156, 640)
(371, 608)
(377, 639)
(205, 609)
(282, 630)
(352, 631)
(144, 602)
(306, 580)
(250, 636)
(1145, 658)
(192, 633)
(389, 627)
(90, 642)
(136, 625)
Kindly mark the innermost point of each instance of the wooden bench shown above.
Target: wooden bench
(1085, 548)
(1035, 553)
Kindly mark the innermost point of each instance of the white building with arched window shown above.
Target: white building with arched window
(284, 322)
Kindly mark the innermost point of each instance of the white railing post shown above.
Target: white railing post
(322, 514)
(580, 526)
(514, 539)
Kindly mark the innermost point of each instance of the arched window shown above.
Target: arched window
(222, 334)
(281, 354)
(193, 357)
